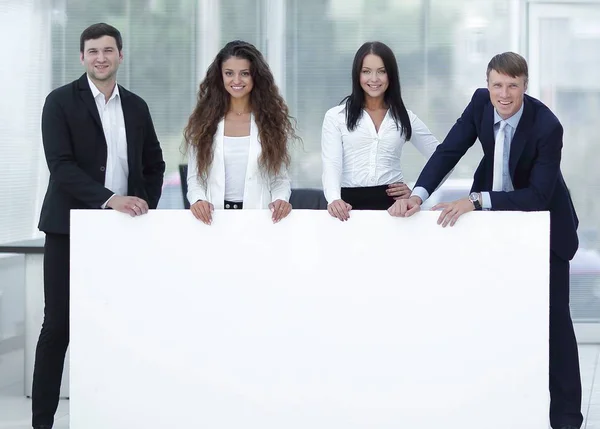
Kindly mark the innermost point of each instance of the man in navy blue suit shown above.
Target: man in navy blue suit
(520, 170)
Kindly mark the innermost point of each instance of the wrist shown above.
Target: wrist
(416, 199)
(109, 202)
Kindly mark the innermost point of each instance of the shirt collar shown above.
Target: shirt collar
(96, 92)
(513, 121)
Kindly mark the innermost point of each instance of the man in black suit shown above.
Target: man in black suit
(102, 152)
(520, 170)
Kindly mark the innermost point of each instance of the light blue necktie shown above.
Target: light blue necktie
(499, 158)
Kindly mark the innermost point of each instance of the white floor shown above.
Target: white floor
(15, 409)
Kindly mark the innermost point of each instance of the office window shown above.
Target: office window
(431, 40)
(25, 81)
(442, 48)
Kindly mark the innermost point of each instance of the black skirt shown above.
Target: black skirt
(368, 198)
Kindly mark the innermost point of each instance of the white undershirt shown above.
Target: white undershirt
(235, 150)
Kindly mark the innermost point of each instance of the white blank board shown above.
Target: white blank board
(377, 322)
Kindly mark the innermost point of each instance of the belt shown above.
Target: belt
(233, 205)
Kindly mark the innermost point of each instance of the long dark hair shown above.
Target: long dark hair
(272, 117)
(392, 97)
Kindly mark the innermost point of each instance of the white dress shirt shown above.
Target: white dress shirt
(113, 124)
(366, 157)
(509, 133)
(235, 151)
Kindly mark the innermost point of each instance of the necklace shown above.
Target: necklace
(240, 113)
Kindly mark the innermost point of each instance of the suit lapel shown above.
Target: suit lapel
(487, 129)
(254, 149)
(252, 194)
(88, 99)
(131, 126)
(218, 155)
(520, 138)
(217, 169)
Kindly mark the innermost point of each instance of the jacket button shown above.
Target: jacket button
(102, 168)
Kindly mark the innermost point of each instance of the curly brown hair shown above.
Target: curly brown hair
(272, 117)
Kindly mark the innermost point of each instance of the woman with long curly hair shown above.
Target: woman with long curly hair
(363, 137)
(237, 138)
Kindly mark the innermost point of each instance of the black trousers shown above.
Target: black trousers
(565, 378)
(368, 198)
(54, 337)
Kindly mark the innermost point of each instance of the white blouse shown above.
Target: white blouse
(235, 151)
(365, 157)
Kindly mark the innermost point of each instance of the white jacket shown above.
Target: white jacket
(259, 190)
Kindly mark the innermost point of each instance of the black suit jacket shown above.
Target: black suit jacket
(76, 153)
(534, 165)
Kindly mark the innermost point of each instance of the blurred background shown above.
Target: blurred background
(442, 48)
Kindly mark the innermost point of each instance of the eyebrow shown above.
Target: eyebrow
(369, 68)
(234, 70)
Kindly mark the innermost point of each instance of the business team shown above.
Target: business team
(103, 153)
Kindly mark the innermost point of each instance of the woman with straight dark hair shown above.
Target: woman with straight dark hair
(363, 137)
(237, 138)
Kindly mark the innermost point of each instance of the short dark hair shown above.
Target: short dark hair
(96, 31)
(508, 63)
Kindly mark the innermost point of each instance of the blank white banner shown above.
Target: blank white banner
(377, 322)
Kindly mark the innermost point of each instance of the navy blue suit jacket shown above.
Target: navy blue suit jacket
(534, 165)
